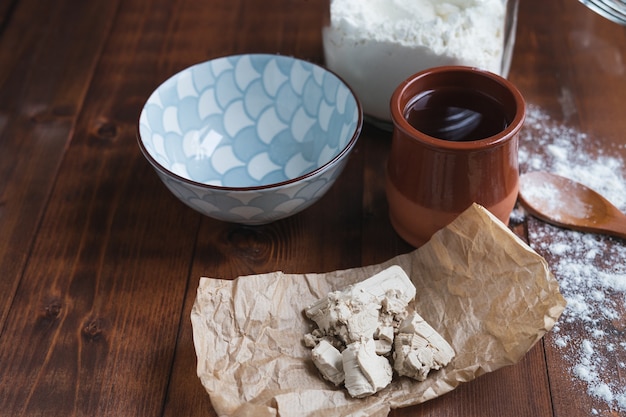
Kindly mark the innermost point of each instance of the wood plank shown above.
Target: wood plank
(44, 76)
(380, 241)
(6, 10)
(573, 69)
(101, 295)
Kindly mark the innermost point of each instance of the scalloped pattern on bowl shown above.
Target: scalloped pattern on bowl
(250, 138)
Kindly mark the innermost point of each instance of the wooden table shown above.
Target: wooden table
(99, 263)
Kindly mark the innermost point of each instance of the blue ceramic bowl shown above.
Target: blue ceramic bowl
(250, 138)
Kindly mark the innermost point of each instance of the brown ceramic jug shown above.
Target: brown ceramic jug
(455, 142)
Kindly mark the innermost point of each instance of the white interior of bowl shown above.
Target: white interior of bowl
(248, 120)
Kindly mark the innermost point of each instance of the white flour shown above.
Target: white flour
(595, 290)
(374, 45)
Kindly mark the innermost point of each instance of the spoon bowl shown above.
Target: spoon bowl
(569, 204)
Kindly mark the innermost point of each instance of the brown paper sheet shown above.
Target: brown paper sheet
(479, 285)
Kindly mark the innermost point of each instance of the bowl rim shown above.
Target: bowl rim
(346, 149)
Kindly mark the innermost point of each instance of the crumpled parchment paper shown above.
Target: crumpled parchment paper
(488, 294)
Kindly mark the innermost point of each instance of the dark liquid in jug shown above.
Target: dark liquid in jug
(456, 114)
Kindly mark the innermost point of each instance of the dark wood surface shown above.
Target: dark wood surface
(99, 263)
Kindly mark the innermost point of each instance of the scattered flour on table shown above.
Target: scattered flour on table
(595, 291)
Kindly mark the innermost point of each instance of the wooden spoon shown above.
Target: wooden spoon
(566, 203)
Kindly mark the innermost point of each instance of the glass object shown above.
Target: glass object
(614, 10)
(376, 44)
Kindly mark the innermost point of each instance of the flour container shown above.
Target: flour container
(376, 44)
